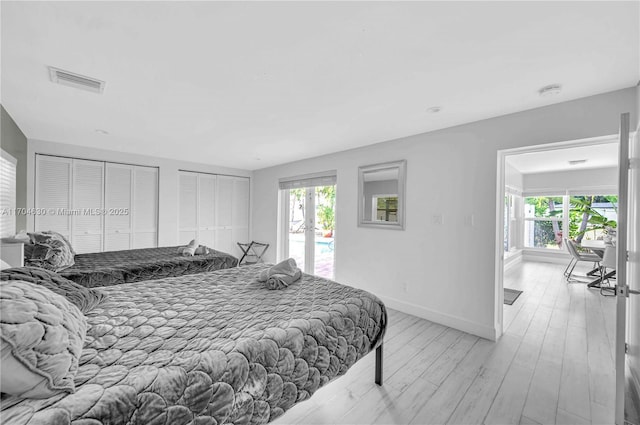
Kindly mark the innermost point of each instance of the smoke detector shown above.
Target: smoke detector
(71, 79)
(577, 161)
(550, 90)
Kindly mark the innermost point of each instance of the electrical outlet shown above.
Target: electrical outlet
(437, 219)
(405, 287)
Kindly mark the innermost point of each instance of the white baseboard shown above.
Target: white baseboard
(487, 332)
(513, 260)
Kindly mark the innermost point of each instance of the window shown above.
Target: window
(386, 207)
(579, 217)
(7, 194)
(543, 222)
(510, 222)
(591, 216)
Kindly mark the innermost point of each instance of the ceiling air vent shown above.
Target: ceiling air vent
(78, 81)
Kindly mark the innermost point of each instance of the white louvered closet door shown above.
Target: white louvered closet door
(206, 209)
(118, 194)
(240, 214)
(145, 207)
(53, 194)
(224, 214)
(87, 203)
(188, 207)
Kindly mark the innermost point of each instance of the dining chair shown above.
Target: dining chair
(576, 257)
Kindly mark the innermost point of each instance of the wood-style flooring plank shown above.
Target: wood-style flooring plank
(547, 368)
(478, 399)
(439, 407)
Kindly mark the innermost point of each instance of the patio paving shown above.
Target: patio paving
(324, 254)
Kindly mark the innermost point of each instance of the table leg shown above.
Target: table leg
(597, 283)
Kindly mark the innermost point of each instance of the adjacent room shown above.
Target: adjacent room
(320, 212)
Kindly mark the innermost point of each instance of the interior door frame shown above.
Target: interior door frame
(622, 289)
(500, 193)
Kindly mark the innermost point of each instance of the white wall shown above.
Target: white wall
(14, 142)
(168, 179)
(603, 180)
(449, 269)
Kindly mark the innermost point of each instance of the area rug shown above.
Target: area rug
(511, 295)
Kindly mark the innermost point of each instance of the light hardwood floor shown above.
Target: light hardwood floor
(553, 365)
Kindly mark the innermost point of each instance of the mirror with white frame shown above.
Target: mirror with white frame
(381, 195)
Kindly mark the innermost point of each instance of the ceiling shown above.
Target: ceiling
(255, 84)
(597, 156)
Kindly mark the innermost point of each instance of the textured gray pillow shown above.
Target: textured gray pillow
(46, 235)
(41, 340)
(83, 298)
(50, 250)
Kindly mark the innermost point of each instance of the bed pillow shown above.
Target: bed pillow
(46, 235)
(50, 250)
(4, 265)
(41, 339)
(83, 298)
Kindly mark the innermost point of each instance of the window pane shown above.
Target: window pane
(543, 206)
(592, 216)
(543, 234)
(386, 208)
(507, 222)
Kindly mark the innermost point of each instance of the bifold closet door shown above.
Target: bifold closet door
(232, 213)
(119, 180)
(224, 214)
(187, 207)
(240, 213)
(53, 194)
(87, 204)
(145, 207)
(206, 209)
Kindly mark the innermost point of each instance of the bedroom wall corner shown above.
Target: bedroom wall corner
(14, 142)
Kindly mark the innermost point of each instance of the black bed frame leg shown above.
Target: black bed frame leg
(379, 365)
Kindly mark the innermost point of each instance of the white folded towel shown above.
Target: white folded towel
(190, 249)
(281, 275)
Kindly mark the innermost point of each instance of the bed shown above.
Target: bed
(116, 267)
(210, 348)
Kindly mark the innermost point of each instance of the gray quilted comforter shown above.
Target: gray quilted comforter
(135, 265)
(210, 348)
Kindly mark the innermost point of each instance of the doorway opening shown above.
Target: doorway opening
(541, 190)
(549, 196)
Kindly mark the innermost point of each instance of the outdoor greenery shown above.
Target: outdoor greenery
(586, 214)
(325, 205)
(583, 217)
(546, 233)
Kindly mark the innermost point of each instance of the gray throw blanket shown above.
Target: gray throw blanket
(281, 275)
